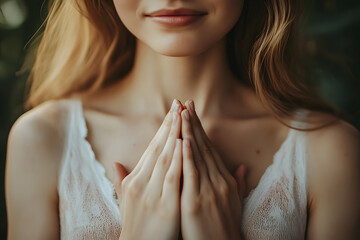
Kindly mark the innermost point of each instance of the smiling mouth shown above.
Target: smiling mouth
(176, 17)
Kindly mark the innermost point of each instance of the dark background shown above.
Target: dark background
(331, 31)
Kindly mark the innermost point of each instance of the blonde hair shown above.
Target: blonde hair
(86, 47)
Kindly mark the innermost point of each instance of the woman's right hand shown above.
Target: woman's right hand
(149, 197)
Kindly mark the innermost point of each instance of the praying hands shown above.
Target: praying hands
(209, 203)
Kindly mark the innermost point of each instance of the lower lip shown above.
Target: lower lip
(176, 21)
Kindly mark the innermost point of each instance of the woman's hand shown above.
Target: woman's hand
(149, 197)
(211, 199)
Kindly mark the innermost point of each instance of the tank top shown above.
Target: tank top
(275, 209)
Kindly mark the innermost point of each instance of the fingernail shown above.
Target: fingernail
(174, 106)
(192, 105)
(186, 115)
(177, 108)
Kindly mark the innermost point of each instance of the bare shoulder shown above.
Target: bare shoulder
(337, 128)
(334, 182)
(46, 115)
(337, 143)
(41, 126)
(35, 149)
(37, 138)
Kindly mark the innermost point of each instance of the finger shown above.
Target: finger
(206, 150)
(200, 134)
(171, 188)
(156, 142)
(240, 179)
(156, 145)
(164, 160)
(188, 134)
(190, 173)
(120, 173)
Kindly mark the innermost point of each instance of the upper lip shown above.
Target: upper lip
(175, 12)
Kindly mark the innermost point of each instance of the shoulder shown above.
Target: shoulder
(333, 172)
(35, 150)
(36, 146)
(333, 157)
(44, 122)
(333, 150)
(337, 146)
(39, 132)
(336, 126)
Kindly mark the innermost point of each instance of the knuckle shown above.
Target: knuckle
(223, 189)
(208, 195)
(163, 160)
(173, 134)
(210, 198)
(134, 188)
(194, 175)
(170, 178)
(206, 150)
(154, 147)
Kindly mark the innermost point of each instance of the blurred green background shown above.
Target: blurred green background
(331, 31)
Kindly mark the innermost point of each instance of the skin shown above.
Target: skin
(211, 195)
(230, 127)
(151, 192)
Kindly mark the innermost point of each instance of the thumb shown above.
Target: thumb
(120, 173)
(240, 179)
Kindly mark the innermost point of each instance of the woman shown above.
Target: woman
(105, 75)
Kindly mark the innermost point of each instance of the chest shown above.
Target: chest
(252, 143)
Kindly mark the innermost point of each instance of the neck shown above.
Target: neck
(155, 80)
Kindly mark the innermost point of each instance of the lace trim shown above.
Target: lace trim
(97, 164)
(269, 169)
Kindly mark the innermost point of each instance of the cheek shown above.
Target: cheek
(226, 13)
(223, 15)
(127, 11)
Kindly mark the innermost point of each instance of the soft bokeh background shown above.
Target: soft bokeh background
(331, 32)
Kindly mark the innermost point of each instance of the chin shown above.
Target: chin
(179, 47)
(178, 52)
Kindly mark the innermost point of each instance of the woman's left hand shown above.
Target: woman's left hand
(211, 200)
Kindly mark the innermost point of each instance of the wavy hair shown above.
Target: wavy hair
(86, 47)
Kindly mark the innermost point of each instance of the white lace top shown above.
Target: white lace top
(275, 209)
